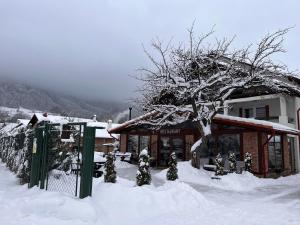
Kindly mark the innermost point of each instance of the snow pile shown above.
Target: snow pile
(172, 203)
(99, 157)
(119, 203)
(133, 203)
(235, 182)
(122, 164)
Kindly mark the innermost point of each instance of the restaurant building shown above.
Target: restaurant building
(268, 142)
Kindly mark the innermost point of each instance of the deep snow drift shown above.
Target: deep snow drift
(233, 182)
(173, 203)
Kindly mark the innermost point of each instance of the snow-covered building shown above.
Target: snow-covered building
(278, 108)
(265, 104)
(257, 120)
(103, 140)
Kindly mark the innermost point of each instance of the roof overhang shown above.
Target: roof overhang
(254, 124)
(250, 123)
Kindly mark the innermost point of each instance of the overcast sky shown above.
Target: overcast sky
(89, 47)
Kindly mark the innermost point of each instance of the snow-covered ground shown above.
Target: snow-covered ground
(194, 199)
(14, 111)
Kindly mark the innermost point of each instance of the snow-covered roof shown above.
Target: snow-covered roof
(59, 119)
(131, 122)
(23, 121)
(230, 120)
(103, 133)
(256, 123)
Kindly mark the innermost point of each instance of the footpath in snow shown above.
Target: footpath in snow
(194, 199)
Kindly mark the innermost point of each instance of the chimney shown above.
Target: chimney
(130, 108)
(109, 124)
(45, 114)
(94, 118)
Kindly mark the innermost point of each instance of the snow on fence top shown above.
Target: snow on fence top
(9, 128)
(100, 133)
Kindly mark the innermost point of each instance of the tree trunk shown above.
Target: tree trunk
(196, 154)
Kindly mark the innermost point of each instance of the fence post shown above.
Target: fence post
(44, 153)
(86, 180)
(36, 157)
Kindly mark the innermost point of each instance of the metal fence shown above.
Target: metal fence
(64, 158)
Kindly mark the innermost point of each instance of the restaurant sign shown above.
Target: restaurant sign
(170, 131)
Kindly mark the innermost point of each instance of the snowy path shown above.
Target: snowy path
(164, 203)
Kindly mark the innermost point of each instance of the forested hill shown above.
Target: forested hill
(14, 95)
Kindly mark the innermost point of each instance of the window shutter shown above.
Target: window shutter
(267, 112)
(261, 113)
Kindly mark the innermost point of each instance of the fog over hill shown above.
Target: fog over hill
(15, 94)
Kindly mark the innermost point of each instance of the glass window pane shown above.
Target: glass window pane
(249, 113)
(272, 161)
(275, 154)
(133, 144)
(164, 151)
(178, 148)
(144, 142)
(229, 143)
(278, 146)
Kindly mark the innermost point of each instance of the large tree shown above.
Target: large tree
(192, 82)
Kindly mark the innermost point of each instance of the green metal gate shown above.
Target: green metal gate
(60, 164)
(63, 157)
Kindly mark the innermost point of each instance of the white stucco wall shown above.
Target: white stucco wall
(274, 107)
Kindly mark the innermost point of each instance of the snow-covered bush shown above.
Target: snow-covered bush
(219, 165)
(61, 155)
(64, 161)
(248, 162)
(16, 150)
(172, 173)
(143, 175)
(16, 143)
(57, 153)
(232, 162)
(110, 173)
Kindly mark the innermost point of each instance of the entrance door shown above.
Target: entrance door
(169, 145)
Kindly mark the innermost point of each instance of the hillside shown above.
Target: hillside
(15, 95)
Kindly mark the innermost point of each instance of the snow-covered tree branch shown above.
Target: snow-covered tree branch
(192, 83)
